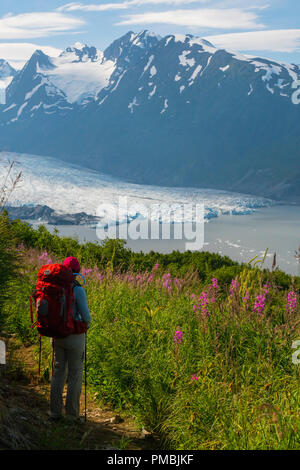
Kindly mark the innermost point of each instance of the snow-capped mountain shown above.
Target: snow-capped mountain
(7, 73)
(174, 111)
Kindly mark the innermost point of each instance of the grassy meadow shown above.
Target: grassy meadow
(195, 346)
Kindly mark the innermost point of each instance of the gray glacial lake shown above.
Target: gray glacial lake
(240, 237)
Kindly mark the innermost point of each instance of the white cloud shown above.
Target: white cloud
(92, 7)
(77, 6)
(38, 24)
(18, 53)
(74, 6)
(281, 40)
(231, 18)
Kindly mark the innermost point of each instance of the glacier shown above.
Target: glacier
(70, 188)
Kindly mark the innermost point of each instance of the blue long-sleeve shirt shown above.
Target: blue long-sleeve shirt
(82, 312)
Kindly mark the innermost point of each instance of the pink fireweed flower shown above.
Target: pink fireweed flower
(203, 304)
(267, 288)
(166, 284)
(247, 297)
(259, 305)
(215, 283)
(167, 281)
(178, 336)
(86, 272)
(194, 377)
(234, 286)
(156, 266)
(291, 305)
(44, 256)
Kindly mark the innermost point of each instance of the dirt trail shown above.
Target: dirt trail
(24, 421)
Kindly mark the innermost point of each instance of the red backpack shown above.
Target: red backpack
(54, 302)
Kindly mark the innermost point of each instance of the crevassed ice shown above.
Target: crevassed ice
(44, 182)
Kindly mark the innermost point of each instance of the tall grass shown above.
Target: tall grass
(8, 255)
(203, 363)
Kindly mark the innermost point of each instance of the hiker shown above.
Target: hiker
(69, 356)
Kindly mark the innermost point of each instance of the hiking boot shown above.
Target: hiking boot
(75, 419)
(54, 418)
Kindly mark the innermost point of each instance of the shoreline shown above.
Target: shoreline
(241, 238)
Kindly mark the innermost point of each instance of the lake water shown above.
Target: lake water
(241, 237)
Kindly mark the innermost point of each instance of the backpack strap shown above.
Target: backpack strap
(76, 283)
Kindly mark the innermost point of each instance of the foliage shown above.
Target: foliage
(189, 356)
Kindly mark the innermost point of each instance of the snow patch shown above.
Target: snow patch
(80, 79)
(165, 106)
(153, 71)
(194, 74)
(10, 107)
(224, 68)
(4, 82)
(184, 61)
(32, 92)
(147, 65)
(132, 104)
(152, 92)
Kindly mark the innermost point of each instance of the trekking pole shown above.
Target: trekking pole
(85, 381)
(40, 355)
(52, 357)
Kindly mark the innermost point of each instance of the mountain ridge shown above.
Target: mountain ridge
(169, 111)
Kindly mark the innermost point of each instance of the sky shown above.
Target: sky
(266, 28)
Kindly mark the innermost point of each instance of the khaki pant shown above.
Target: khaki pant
(68, 363)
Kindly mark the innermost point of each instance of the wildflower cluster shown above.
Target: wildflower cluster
(291, 305)
(167, 281)
(202, 305)
(178, 336)
(45, 258)
(259, 305)
(234, 286)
